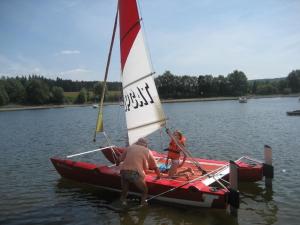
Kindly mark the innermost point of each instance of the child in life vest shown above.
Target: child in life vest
(174, 152)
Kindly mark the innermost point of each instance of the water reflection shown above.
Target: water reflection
(68, 188)
(107, 202)
(259, 202)
(137, 217)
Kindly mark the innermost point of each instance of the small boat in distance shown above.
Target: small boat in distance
(293, 113)
(243, 99)
(95, 106)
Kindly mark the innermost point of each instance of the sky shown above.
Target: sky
(70, 38)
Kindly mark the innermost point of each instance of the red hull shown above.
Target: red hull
(195, 194)
(199, 193)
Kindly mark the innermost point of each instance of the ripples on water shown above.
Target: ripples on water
(33, 193)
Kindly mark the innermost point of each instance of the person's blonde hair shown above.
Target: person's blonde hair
(178, 132)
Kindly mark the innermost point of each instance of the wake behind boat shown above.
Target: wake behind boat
(217, 188)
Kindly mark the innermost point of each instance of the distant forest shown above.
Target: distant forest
(38, 90)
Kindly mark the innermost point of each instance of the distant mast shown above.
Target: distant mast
(143, 109)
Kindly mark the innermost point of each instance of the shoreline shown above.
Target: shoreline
(15, 107)
(228, 98)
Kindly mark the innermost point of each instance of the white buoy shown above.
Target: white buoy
(234, 200)
(268, 170)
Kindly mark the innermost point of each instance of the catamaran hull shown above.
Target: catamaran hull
(108, 178)
(200, 193)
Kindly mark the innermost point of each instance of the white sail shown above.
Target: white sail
(144, 113)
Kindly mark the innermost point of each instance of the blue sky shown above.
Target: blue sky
(70, 38)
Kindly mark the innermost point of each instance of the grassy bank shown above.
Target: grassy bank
(110, 96)
(71, 96)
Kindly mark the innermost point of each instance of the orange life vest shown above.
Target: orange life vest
(174, 150)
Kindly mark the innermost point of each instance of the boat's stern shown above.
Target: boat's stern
(250, 171)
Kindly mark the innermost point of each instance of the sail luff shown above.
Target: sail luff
(129, 22)
(143, 109)
(99, 124)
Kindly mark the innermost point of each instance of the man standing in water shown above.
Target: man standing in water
(137, 159)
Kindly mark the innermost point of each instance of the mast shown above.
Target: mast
(143, 109)
(99, 124)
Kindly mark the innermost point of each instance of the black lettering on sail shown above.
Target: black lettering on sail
(135, 103)
(137, 97)
(147, 89)
(145, 100)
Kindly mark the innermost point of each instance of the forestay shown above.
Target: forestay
(144, 113)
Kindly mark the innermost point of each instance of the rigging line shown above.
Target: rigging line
(219, 182)
(121, 118)
(225, 181)
(173, 189)
(161, 138)
(106, 69)
(112, 149)
(83, 153)
(148, 75)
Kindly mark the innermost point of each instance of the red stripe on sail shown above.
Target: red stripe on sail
(129, 27)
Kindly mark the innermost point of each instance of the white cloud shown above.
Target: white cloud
(258, 51)
(24, 65)
(78, 70)
(79, 74)
(69, 52)
(21, 65)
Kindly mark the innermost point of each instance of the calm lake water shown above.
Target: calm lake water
(32, 192)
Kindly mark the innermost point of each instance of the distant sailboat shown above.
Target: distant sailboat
(145, 115)
(243, 99)
(293, 113)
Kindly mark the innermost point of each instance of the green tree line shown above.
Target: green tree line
(236, 83)
(37, 90)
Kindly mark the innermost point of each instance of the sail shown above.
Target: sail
(144, 113)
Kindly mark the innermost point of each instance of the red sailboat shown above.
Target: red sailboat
(217, 188)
